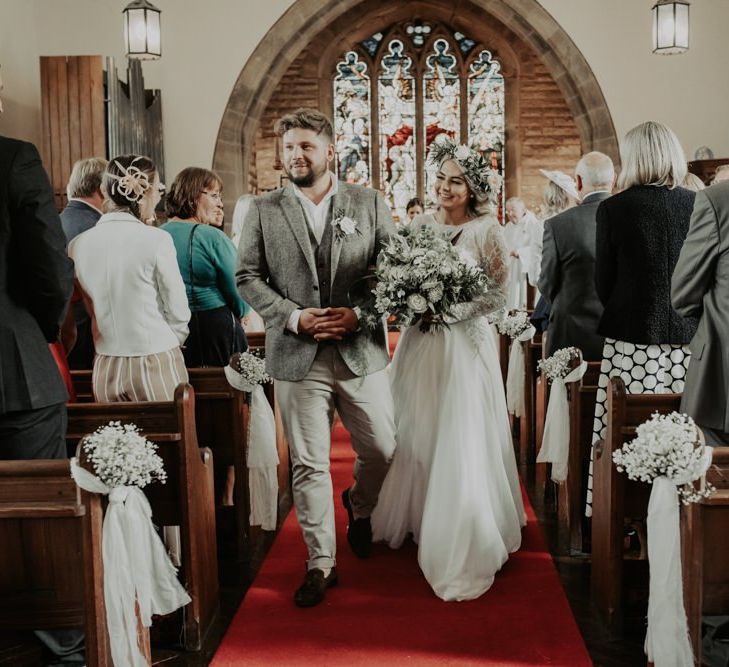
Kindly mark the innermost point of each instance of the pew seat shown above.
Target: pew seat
(572, 495)
(614, 496)
(704, 527)
(51, 571)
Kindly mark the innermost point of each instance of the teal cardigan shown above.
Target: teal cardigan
(213, 263)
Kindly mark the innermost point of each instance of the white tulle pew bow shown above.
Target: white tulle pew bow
(556, 439)
(515, 373)
(262, 456)
(137, 568)
(667, 642)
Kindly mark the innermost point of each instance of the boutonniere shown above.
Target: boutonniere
(344, 226)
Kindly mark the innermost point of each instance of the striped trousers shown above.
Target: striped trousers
(153, 377)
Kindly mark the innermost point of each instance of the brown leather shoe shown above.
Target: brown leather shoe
(359, 531)
(314, 588)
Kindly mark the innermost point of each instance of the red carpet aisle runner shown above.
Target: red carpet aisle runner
(384, 613)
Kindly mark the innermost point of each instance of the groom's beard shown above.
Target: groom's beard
(308, 177)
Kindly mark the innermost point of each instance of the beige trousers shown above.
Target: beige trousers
(364, 405)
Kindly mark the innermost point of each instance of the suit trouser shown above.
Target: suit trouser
(307, 407)
(34, 434)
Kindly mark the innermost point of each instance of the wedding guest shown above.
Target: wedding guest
(206, 258)
(84, 208)
(523, 234)
(130, 282)
(700, 288)
(567, 275)
(640, 232)
(413, 209)
(252, 322)
(36, 278)
(85, 199)
(692, 182)
(559, 194)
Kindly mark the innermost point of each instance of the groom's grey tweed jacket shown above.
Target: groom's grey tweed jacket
(280, 269)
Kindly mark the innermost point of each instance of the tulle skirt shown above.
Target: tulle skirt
(453, 483)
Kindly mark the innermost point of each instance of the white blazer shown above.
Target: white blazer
(131, 286)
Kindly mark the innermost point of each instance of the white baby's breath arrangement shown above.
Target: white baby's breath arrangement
(560, 363)
(514, 324)
(252, 368)
(122, 456)
(667, 446)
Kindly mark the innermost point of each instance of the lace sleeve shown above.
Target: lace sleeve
(492, 258)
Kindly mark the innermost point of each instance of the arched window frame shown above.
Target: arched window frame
(418, 69)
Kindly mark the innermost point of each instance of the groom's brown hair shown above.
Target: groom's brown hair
(306, 119)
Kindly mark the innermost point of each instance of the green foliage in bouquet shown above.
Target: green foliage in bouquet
(421, 276)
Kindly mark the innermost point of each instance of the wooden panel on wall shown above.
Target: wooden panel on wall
(72, 103)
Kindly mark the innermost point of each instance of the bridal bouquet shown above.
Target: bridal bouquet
(559, 365)
(514, 324)
(421, 275)
(122, 456)
(667, 446)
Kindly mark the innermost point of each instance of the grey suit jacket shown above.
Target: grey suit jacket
(567, 279)
(700, 288)
(276, 274)
(77, 218)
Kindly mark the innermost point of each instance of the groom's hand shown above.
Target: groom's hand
(309, 319)
(337, 324)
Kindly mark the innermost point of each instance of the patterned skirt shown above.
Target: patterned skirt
(153, 377)
(645, 369)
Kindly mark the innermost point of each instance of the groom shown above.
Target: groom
(301, 250)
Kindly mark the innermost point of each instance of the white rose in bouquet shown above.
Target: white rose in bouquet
(417, 303)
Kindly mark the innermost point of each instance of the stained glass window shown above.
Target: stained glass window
(396, 109)
(486, 109)
(395, 91)
(441, 104)
(352, 120)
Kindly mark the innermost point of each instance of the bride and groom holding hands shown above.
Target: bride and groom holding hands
(431, 434)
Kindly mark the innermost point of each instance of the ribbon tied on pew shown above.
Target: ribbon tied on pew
(137, 569)
(515, 374)
(556, 439)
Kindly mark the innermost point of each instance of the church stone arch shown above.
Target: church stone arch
(502, 23)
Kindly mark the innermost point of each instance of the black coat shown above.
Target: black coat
(639, 236)
(36, 280)
(567, 279)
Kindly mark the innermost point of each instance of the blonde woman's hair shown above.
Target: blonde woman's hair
(651, 154)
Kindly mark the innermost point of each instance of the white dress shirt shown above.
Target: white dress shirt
(316, 217)
(91, 206)
(131, 286)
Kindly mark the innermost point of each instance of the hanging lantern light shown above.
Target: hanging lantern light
(670, 27)
(142, 30)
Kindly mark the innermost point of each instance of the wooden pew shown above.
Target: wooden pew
(704, 527)
(51, 572)
(571, 495)
(504, 345)
(527, 422)
(221, 418)
(614, 496)
(186, 500)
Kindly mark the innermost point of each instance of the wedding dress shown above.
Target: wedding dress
(453, 483)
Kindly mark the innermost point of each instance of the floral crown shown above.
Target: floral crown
(133, 182)
(485, 181)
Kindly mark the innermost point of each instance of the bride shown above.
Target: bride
(453, 483)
